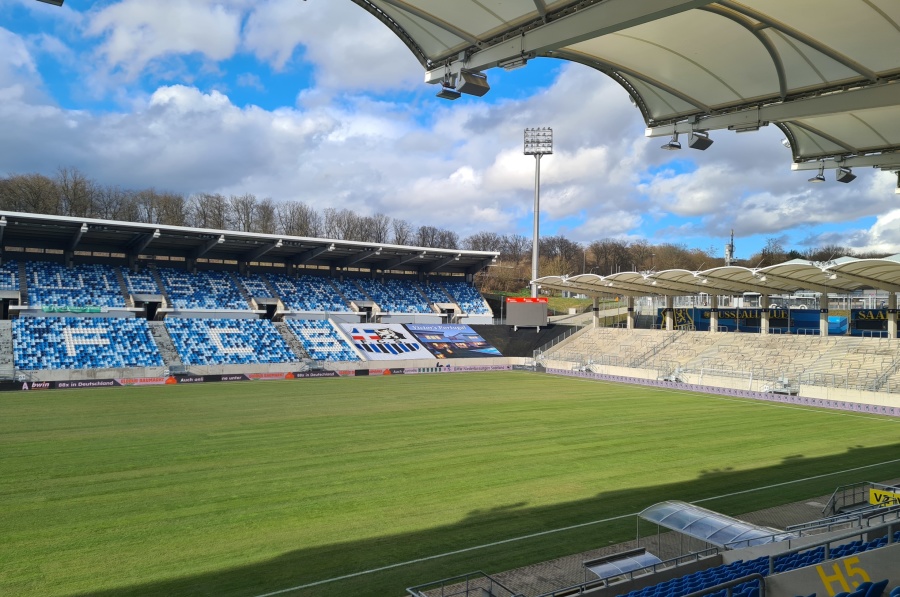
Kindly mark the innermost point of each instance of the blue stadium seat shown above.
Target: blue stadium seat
(467, 297)
(53, 284)
(204, 290)
(140, 282)
(320, 339)
(83, 343)
(9, 275)
(228, 341)
(305, 293)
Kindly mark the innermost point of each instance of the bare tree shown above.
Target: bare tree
(266, 222)
(242, 209)
(484, 241)
(298, 219)
(76, 193)
(378, 228)
(403, 234)
(171, 209)
(208, 210)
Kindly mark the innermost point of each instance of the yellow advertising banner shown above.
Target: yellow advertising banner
(884, 498)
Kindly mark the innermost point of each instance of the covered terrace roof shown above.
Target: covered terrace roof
(844, 275)
(827, 72)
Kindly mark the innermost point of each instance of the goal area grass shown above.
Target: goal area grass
(244, 489)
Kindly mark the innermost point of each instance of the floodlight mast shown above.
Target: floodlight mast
(538, 142)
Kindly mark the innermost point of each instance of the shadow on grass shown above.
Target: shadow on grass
(338, 559)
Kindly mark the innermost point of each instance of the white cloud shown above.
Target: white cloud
(135, 32)
(347, 46)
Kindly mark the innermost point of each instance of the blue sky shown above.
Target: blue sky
(316, 101)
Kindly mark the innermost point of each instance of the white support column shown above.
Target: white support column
(892, 316)
(714, 313)
(596, 312)
(670, 313)
(823, 320)
(764, 314)
(629, 302)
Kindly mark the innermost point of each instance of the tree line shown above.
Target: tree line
(70, 193)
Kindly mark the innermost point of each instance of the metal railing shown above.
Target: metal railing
(732, 583)
(848, 495)
(539, 352)
(473, 584)
(590, 585)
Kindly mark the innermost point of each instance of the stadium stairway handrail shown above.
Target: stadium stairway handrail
(856, 517)
(539, 352)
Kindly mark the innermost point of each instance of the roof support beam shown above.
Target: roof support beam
(865, 98)
(886, 161)
(401, 260)
(593, 21)
(353, 259)
(874, 283)
(260, 251)
(437, 265)
(307, 256)
(208, 246)
(430, 18)
(140, 242)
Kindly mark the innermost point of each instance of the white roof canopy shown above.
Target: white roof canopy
(825, 71)
(845, 274)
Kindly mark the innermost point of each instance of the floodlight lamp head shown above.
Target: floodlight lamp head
(3, 221)
(786, 143)
(700, 140)
(820, 177)
(539, 141)
(84, 228)
(448, 93)
(221, 239)
(279, 244)
(330, 247)
(673, 144)
(844, 175)
(156, 233)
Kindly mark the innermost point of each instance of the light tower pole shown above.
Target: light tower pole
(538, 142)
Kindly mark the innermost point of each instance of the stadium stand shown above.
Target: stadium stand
(467, 297)
(83, 343)
(256, 285)
(349, 290)
(9, 276)
(321, 340)
(306, 293)
(203, 290)
(140, 282)
(395, 296)
(53, 284)
(435, 292)
(227, 341)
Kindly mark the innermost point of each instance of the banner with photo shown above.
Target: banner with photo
(452, 341)
(385, 341)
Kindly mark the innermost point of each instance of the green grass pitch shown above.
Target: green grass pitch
(247, 488)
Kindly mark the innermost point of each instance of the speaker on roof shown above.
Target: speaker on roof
(472, 83)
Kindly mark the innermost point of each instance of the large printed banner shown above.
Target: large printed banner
(451, 341)
(385, 341)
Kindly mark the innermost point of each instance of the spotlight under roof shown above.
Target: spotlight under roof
(820, 177)
(673, 144)
(448, 93)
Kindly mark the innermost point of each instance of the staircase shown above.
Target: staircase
(166, 347)
(7, 366)
(244, 294)
(162, 287)
(23, 284)
(292, 341)
(123, 286)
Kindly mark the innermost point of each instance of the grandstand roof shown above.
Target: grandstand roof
(37, 231)
(845, 274)
(706, 525)
(825, 72)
